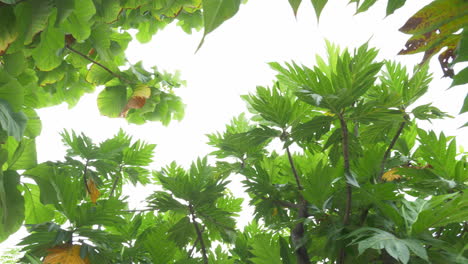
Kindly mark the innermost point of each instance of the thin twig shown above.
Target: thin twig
(199, 234)
(99, 64)
(193, 247)
(293, 168)
(389, 149)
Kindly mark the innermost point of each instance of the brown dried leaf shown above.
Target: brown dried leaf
(138, 99)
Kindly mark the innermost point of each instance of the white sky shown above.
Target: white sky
(232, 62)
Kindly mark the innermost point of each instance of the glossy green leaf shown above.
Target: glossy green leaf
(215, 12)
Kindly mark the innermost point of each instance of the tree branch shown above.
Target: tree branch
(199, 234)
(347, 171)
(389, 149)
(99, 64)
(297, 234)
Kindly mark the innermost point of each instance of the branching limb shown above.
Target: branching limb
(97, 63)
(199, 234)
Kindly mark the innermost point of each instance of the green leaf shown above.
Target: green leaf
(465, 104)
(399, 249)
(182, 232)
(34, 125)
(461, 77)
(78, 22)
(11, 90)
(112, 100)
(64, 9)
(33, 19)
(318, 6)
(435, 14)
(24, 154)
(215, 12)
(13, 123)
(393, 5)
(365, 5)
(36, 212)
(12, 204)
(8, 32)
(97, 75)
(15, 63)
(265, 249)
(46, 54)
(295, 5)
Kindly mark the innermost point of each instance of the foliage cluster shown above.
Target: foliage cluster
(329, 155)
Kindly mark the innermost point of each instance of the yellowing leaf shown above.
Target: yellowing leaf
(65, 254)
(391, 175)
(275, 211)
(93, 190)
(329, 114)
(138, 99)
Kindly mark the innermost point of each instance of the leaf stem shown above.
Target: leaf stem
(294, 171)
(85, 178)
(116, 180)
(389, 149)
(199, 234)
(99, 64)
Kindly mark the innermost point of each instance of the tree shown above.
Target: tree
(348, 157)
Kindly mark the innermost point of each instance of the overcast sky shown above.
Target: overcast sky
(232, 62)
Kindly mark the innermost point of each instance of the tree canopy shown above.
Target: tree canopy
(331, 156)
